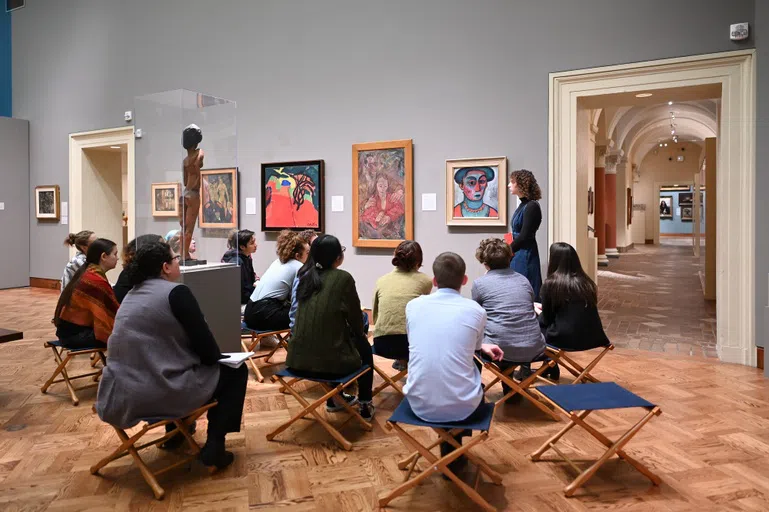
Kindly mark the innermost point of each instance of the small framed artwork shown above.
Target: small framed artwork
(674, 188)
(219, 198)
(382, 193)
(165, 199)
(629, 206)
(292, 196)
(685, 199)
(666, 207)
(686, 213)
(590, 201)
(47, 202)
(476, 192)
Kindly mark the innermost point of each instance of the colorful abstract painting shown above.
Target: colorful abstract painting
(292, 196)
(476, 192)
(382, 194)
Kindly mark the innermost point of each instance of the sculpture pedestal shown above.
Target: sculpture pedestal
(216, 287)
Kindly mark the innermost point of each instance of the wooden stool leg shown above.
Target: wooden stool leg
(145, 471)
(59, 368)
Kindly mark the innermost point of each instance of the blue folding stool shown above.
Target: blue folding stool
(58, 350)
(577, 401)
(332, 388)
(525, 387)
(480, 420)
(249, 345)
(561, 356)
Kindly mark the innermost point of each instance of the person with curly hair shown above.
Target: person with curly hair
(393, 291)
(525, 223)
(508, 299)
(269, 304)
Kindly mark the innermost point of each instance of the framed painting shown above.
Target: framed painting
(165, 199)
(666, 207)
(47, 202)
(476, 193)
(686, 213)
(685, 199)
(292, 196)
(382, 193)
(219, 198)
(674, 188)
(629, 206)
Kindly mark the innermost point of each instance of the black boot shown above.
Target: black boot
(214, 454)
(178, 439)
(553, 373)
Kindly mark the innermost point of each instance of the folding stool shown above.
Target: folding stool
(58, 350)
(577, 401)
(388, 381)
(332, 388)
(581, 374)
(256, 337)
(480, 420)
(524, 387)
(128, 446)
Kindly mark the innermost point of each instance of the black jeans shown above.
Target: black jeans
(82, 341)
(392, 346)
(267, 315)
(365, 382)
(230, 393)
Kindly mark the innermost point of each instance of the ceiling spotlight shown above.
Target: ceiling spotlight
(672, 132)
(660, 144)
(670, 102)
(666, 144)
(643, 95)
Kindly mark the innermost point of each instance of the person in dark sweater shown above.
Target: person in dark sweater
(328, 340)
(123, 285)
(242, 244)
(164, 361)
(569, 318)
(525, 223)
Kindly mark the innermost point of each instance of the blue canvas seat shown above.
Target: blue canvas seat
(250, 344)
(60, 350)
(480, 420)
(577, 401)
(332, 386)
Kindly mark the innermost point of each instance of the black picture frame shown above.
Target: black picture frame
(267, 172)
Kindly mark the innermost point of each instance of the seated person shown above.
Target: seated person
(569, 318)
(85, 312)
(327, 339)
(123, 285)
(445, 330)
(393, 291)
(242, 244)
(80, 241)
(508, 299)
(163, 359)
(269, 304)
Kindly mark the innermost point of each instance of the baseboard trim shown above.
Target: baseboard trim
(679, 234)
(48, 284)
(760, 357)
(626, 248)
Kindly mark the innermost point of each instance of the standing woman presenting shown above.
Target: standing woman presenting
(525, 223)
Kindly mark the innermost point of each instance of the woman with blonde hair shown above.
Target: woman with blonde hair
(269, 304)
(525, 223)
(80, 241)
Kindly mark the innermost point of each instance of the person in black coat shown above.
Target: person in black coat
(569, 318)
(123, 284)
(242, 244)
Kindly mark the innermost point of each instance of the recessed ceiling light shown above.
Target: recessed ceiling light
(643, 95)
(666, 144)
(672, 132)
(114, 147)
(670, 102)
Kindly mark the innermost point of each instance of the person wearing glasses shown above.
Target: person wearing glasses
(328, 338)
(164, 361)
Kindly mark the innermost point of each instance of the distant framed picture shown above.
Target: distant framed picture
(382, 193)
(47, 202)
(685, 199)
(666, 207)
(292, 196)
(686, 213)
(219, 198)
(629, 206)
(165, 199)
(590, 201)
(476, 192)
(675, 188)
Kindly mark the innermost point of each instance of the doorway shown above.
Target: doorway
(734, 72)
(101, 185)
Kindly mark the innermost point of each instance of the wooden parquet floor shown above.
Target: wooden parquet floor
(710, 445)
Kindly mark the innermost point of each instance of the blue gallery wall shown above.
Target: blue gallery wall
(676, 225)
(6, 108)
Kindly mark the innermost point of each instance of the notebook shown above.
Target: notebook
(235, 359)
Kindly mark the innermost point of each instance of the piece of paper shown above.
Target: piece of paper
(250, 206)
(2, 206)
(678, 211)
(429, 202)
(64, 209)
(236, 359)
(337, 203)
(64, 221)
